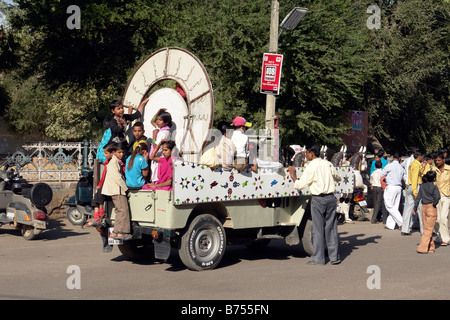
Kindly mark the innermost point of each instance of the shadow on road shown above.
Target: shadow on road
(234, 254)
(352, 242)
(56, 229)
(276, 250)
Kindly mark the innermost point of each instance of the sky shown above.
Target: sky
(2, 17)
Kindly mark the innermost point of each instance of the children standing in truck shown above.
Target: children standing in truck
(163, 122)
(97, 202)
(136, 167)
(116, 187)
(118, 123)
(165, 167)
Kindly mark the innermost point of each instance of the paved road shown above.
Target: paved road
(372, 257)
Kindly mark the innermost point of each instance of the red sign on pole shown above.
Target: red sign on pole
(271, 73)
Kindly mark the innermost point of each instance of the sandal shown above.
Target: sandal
(93, 222)
(120, 236)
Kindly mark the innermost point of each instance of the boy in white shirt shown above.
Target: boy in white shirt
(377, 191)
(240, 141)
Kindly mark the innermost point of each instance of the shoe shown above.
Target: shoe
(406, 233)
(336, 262)
(444, 243)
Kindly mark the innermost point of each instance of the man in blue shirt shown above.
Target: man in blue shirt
(378, 156)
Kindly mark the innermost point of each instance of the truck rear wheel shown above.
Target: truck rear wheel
(306, 233)
(203, 244)
(137, 249)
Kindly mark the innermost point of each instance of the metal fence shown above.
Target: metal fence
(53, 161)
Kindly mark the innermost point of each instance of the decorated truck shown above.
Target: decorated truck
(209, 208)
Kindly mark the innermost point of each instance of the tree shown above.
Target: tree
(332, 63)
(407, 99)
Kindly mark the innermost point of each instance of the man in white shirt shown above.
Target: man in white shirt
(393, 192)
(409, 196)
(377, 191)
(240, 141)
(320, 177)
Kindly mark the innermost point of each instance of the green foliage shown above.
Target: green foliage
(71, 112)
(408, 101)
(332, 63)
(29, 97)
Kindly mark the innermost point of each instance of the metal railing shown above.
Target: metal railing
(53, 161)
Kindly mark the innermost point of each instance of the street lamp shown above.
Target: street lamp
(289, 22)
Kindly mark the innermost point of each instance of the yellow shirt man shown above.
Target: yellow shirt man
(319, 176)
(414, 179)
(443, 180)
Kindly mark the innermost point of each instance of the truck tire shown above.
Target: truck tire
(306, 237)
(202, 246)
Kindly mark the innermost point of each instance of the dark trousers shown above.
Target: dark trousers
(324, 228)
(377, 194)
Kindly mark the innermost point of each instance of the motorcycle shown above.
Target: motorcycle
(22, 204)
(353, 206)
(79, 208)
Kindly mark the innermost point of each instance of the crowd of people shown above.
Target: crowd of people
(415, 190)
(422, 181)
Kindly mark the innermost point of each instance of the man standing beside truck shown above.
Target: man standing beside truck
(320, 176)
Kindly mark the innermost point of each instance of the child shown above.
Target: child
(240, 141)
(118, 122)
(138, 136)
(97, 202)
(136, 167)
(375, 186)
(165, 167)
(163, 122)
(430, 196)
(116, 187)
(105, 138)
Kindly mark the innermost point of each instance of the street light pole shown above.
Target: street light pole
(273, 48)
(289, 23)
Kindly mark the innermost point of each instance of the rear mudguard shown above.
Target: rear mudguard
(103, 230)
(23, 214)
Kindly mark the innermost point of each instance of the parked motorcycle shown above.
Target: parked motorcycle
(353, 206)
(79, 208)
(22, 204)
